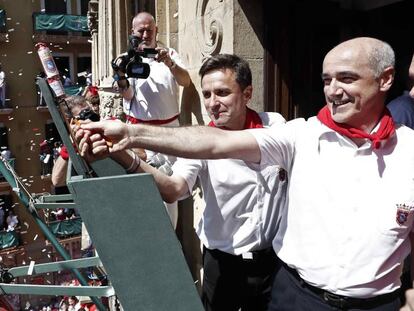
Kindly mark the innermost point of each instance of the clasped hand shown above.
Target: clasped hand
(97, 140)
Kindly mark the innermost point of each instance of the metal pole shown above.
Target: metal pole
(45, 229)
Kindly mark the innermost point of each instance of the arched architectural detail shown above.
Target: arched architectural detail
(209, 27)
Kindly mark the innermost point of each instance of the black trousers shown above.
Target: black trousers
(289, 293)
(233, 283)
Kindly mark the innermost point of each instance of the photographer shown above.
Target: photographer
(151, 99)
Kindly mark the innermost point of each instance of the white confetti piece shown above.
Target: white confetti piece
(31, 268)
(35, 237)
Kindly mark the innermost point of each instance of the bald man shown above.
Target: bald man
(154, 100)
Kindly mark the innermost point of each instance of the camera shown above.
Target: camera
(131, 62)
(88, 114)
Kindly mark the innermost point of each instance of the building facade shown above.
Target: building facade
(26, 126)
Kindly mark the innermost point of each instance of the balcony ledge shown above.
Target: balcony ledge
(71, 38)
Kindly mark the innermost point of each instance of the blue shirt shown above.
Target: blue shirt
(402, 110)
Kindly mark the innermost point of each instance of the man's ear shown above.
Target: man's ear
(248, 92)
(387, 79)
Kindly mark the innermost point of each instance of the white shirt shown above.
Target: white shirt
(243, 207)
(156, 98)
(341, 233)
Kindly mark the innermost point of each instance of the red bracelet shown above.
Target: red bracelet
(64, 153)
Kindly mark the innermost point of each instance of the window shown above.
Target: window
(49, 148)
(63, 65)
(55, 7)
(4, 142)
(84, 66)
(84, 6)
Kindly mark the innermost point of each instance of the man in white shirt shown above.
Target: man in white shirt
(243, 207)
(153, 100)
(351, 175)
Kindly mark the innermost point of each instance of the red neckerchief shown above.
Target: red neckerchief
(253, 121)
(385, 130)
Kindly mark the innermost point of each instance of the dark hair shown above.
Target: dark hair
(228, 61)
(74, 101)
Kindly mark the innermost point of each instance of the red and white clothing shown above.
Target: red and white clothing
(350, 208)
(155, 98)
(243, 207)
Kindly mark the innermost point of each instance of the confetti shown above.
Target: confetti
(35, 237)
(31, 268)
(30, 52)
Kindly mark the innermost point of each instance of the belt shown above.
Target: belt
(248, 256)
(344, 302)
(133, 120)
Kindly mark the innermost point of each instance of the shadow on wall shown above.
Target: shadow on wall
(190, 104)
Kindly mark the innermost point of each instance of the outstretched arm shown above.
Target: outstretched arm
(196, 142)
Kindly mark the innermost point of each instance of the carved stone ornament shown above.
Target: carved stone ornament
(92, 16)
(209, 28)
(111, 105)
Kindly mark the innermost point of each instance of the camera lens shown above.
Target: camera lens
(88, 114)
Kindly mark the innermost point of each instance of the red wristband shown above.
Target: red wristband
(64, 153)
